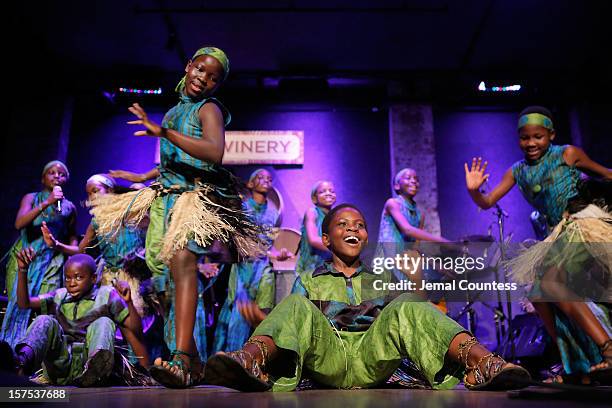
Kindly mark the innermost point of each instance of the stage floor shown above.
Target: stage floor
(210, 396)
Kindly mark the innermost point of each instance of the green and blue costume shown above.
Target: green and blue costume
(45, 271)
(344, 334)
(248, 281)
(69, 331)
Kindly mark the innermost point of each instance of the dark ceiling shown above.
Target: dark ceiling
(384, 38)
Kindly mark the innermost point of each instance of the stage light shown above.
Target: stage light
(482, 87)
(157, 91)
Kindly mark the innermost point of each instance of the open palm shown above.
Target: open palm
(474, 176)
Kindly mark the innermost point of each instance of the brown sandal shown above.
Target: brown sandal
(497, 374)
(238, 369)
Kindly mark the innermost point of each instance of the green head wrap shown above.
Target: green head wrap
(535, 119)
(214, 52)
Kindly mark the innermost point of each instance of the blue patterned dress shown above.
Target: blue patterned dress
(391, 241)
(253, 280)
(181, 172)
(44, 273)
(549, 184)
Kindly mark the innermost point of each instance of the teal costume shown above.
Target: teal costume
(248, 281)
(391, 241)
(180, 172)
(310, 258)
(45, 271)
(69, 331)
(344, 334)
(549, 184)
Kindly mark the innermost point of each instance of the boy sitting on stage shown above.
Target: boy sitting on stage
(343, 338)
(76, 323)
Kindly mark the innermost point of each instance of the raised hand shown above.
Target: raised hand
(55, 196)
(152, 128)
(48, 237)
(25, 258)
(125, 175)
(474, 176)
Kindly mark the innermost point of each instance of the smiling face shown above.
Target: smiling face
(78, 279)
(203, 76)
(95, 188)
(325, 195)
(261, 183)
(54, 176)
(534, 140)
(408, 184)
(347, 235)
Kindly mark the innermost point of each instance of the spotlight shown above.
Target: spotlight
(482, 87)
(157, 91)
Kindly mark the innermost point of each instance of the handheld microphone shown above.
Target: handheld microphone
(58, 189)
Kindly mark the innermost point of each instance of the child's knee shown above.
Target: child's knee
(101, 323)
(296, 301)
(45, 322)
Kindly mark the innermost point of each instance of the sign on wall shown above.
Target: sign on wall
(264, 147)
(261, 147)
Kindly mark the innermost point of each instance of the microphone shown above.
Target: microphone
(58, 189)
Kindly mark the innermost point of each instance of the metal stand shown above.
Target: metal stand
(501, 214)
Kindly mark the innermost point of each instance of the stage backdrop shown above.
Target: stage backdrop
(347, 146)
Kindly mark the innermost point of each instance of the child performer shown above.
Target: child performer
(345, 334)
(253, 280)
(193, 205)
(312, 252)
(127, 243)
(44, 273)
(164, 287)
(73, 337)
(401, 222)
(549, 179)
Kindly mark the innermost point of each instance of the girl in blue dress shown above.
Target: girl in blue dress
(549, 177)
(44, 273)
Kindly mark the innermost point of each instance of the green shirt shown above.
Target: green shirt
(75, 315)
(340, 298)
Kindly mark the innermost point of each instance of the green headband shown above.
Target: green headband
(535, 119)
(214, 52)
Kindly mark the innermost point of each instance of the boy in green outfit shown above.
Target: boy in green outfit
(73, 337)
(341, 337)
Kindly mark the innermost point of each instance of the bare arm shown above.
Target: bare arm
(209, 148)
(393, 208)
(71, 247)
(26, 214)
(135, 177)
(575, 156)
(475, 178)
(312, 231)
(131, 328)
(24, 301)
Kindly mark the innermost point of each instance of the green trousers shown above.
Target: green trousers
(63, 361)
(405, 329)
